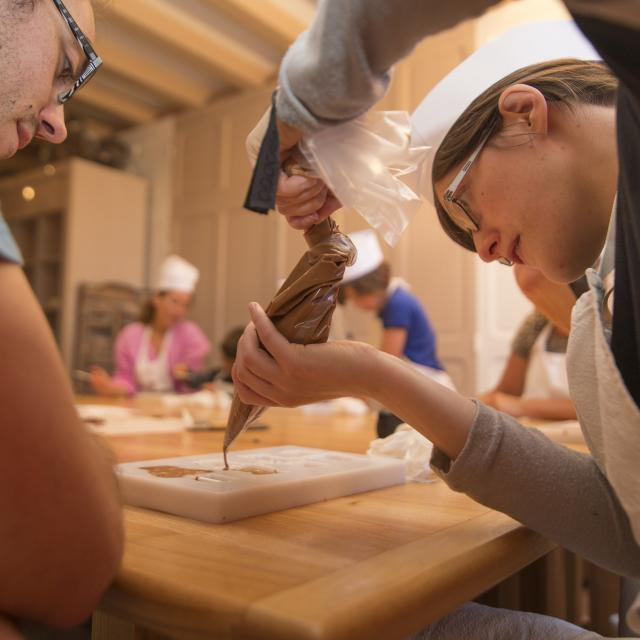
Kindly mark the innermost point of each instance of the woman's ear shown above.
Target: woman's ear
(524, 106)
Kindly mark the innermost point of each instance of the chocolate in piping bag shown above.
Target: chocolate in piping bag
(303, 306)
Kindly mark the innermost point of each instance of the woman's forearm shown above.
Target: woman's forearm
(549, 408)
(556, 491)
(441, 415)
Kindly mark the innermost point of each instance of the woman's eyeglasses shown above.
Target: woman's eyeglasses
(455, 208)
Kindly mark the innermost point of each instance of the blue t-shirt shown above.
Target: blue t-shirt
(8, 248)
(403, 310)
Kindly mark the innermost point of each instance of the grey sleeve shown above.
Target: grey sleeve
(527, 334)
(558, 492)
(339, 67)
(9, 251)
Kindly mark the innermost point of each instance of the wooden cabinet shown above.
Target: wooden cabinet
(76, 222)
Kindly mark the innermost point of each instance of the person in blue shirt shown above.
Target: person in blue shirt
(407, 331)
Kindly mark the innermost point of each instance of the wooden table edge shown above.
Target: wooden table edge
(327, 607)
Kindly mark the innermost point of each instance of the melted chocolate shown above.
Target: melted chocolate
(167, 471)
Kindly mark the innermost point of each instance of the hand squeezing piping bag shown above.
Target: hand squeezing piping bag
(303, 306)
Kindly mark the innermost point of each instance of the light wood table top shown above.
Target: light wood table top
(381, 564)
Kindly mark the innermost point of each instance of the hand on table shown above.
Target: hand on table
(288, 374)
(181, 371)
(100, 380)
(103, 384)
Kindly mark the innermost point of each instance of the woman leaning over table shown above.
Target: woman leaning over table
(525, 170)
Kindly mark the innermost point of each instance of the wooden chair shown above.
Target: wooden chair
(102, 310)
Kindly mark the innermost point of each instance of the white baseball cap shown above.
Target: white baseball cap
(519, 47)
(369, 255)
(176, 274)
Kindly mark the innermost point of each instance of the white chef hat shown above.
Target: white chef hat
(176, 274)
(519, 47)
(369, 256)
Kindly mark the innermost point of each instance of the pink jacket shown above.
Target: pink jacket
(188, 345)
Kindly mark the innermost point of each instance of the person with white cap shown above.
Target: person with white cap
(531, 138)
(407, 332)
(154, 353)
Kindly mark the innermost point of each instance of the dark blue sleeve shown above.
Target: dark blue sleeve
(396, 313)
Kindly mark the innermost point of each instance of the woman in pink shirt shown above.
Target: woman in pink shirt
(151, 353)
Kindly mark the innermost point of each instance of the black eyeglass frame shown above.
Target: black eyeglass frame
(449, 195)
(93, 59)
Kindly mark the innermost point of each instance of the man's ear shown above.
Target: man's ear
(524, 106)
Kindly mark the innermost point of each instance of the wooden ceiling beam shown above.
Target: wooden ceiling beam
(277, 24)
(124, 108)
(153, 77)
(185, 33)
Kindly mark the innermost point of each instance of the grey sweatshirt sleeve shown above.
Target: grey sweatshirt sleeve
(558, 492)
(340, 66)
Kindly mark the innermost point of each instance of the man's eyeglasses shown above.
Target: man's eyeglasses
(93, 59)
(456, 209)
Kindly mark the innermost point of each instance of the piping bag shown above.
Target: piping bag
(372, 166)
(303, 307)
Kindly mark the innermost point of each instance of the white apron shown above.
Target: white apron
(609, 417)
(547, 371)
(154, 375)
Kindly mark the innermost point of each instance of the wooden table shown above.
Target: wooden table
(376, 565)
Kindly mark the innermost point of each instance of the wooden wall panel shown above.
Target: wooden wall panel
(196, 238)
(199, 160)
(235, 250)
(250, 266)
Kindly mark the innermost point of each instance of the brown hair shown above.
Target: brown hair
(148, 311)
(566, 80)
(376, 280)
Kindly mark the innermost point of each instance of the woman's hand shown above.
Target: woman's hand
(103, 384)
(100, 381)
(289, 374)
(181, 371)
(304, 201)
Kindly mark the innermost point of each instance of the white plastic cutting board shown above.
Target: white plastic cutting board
(303, 476)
